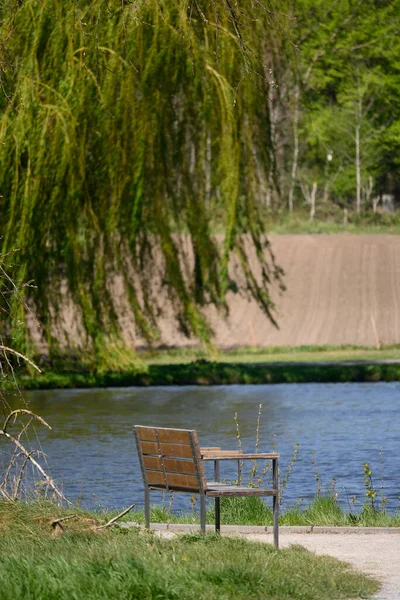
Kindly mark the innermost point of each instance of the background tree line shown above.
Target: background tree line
(125, 124)
(336, 108)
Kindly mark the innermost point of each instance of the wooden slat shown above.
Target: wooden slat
(147, 433)
(174, 480)
(152, 462)
(210, 449)
(173, 450)
(181, 466)
(179, 436)
(155, 478)
(171, 465)
(184, 481)
(149, 448)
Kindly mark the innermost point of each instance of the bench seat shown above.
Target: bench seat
(214, 489)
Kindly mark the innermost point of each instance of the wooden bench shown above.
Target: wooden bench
(172, 460)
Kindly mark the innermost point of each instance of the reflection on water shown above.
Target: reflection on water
(91, 448)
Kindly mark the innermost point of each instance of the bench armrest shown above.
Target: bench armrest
(235, 455)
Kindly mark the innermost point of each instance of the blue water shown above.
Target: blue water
(91, 450)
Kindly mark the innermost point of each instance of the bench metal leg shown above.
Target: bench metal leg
(216, 470)
(217, 515)
(239, 473)
(202, 513)
(276, 501)
(217, 500)
(276, 521)
(147, 507)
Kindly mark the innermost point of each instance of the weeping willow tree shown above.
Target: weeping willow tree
(126, 131)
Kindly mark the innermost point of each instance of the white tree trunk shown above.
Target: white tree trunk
(312, 200)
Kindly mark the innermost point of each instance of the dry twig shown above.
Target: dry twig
(57, 522)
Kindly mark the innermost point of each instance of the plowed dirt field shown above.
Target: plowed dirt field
(341, 289)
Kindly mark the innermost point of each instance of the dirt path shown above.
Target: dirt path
(375, 554)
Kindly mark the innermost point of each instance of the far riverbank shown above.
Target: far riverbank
(204, 372)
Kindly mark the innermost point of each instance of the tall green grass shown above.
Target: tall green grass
(124, 564)
(322, 511)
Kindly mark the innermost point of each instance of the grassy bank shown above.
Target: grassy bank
(205, 372)
(40, 562)
(331, 219)
(194, 366)
(275, 354)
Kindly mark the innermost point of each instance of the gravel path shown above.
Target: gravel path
(375, 554)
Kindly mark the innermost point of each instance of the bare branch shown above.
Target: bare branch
(5, 495)
(112, 521)
(25, 358)
(11, 464)
(21, 473)
(47, 478)
(24, 411)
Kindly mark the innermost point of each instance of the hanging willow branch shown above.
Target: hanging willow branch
(126, 131)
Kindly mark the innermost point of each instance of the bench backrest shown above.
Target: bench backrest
(170, 459)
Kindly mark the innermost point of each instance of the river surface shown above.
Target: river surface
(91, 450)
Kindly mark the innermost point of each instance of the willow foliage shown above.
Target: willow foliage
(126, 130)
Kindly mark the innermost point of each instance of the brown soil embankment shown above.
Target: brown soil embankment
(340, 290)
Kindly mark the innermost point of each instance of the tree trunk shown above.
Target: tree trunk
(295, 146)
(368, 191)
(207, 168)
(358, 169)
(325, 196)
(272, 120)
